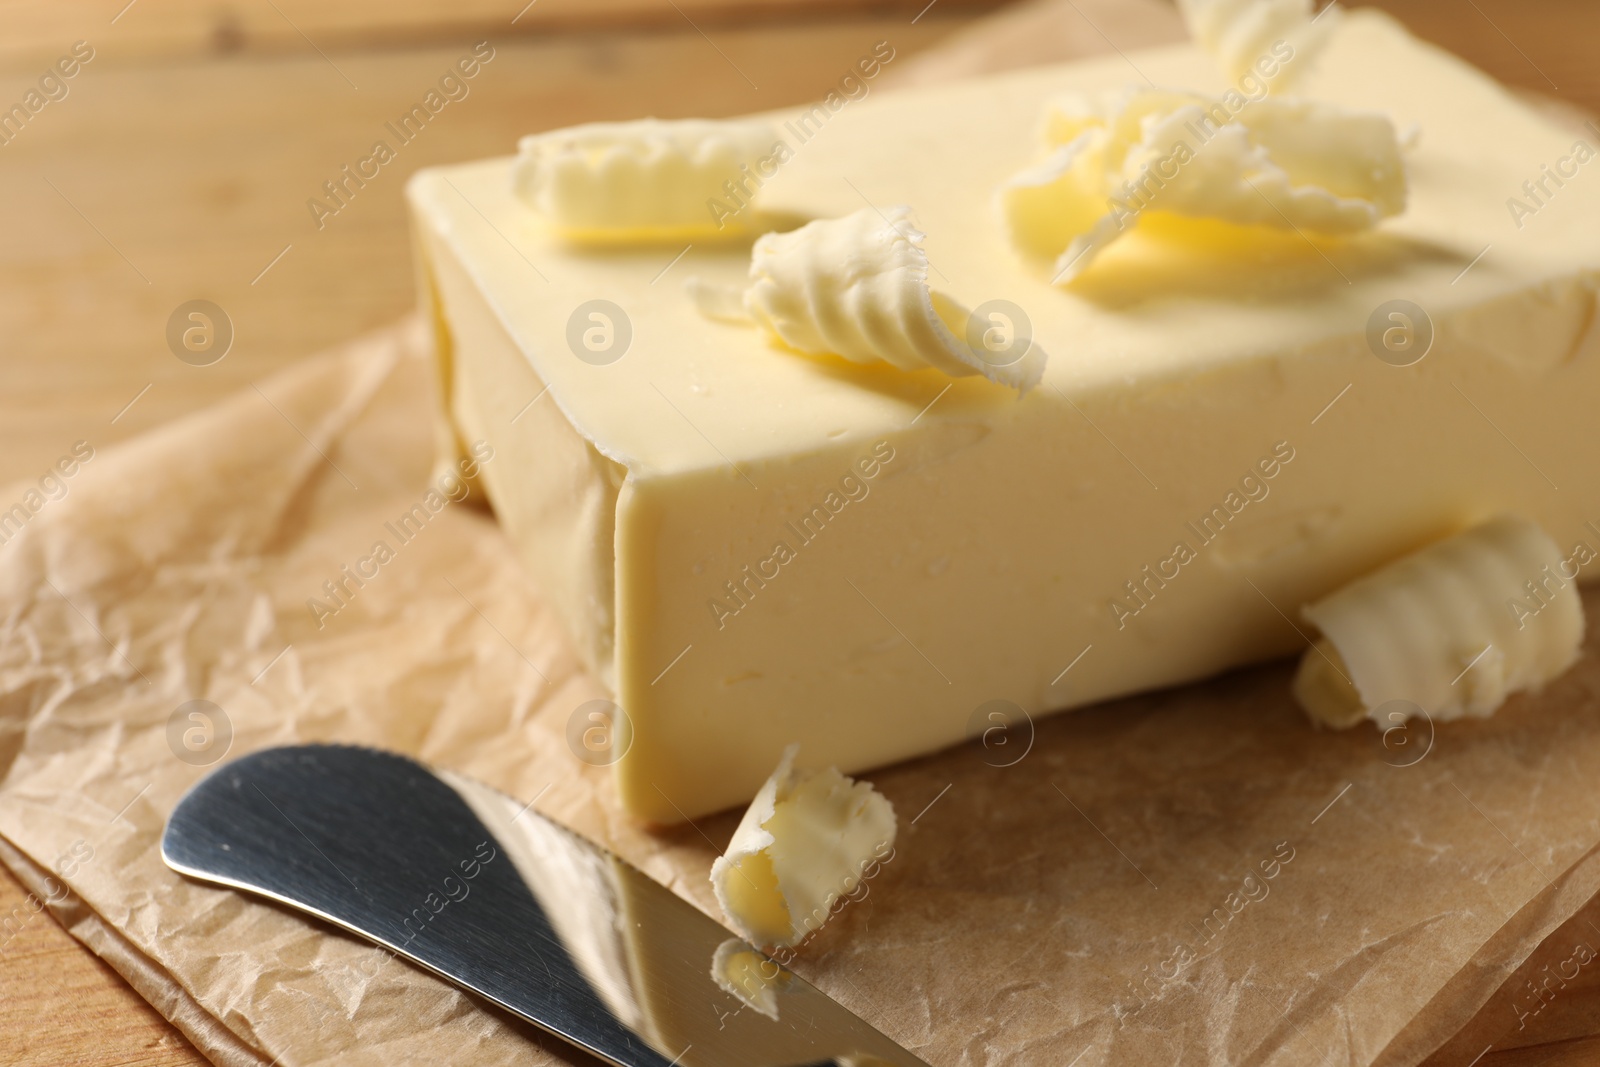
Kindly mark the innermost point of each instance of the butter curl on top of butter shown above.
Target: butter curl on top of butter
(808, 839)
(647, 180)
(1249, 37)
(1287, 164)
(1452, 629)
(857, 287)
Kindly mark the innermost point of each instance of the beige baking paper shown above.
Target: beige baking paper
(1195, 876)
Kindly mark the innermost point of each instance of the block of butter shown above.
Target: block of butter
(754, 547)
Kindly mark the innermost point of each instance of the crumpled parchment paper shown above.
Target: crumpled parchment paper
(1193, 876)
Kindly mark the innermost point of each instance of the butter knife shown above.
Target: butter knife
(486, 893)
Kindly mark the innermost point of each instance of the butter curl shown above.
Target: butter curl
(646, 180)
(1289, 164)
(1449, 631)
(1249, 37)
(857, 287)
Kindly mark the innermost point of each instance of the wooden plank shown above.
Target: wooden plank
(1538, 45)
(148, 187)
(1545, 46)
(61, 1005)
(157, 182)
(142, 32)
(1045, 31)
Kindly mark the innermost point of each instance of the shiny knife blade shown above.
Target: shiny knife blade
(492, 896)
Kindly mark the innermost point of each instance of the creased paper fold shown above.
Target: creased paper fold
(1189, 877)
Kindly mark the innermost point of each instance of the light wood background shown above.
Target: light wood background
(179, 164)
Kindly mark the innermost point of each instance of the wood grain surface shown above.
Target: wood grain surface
(178, 29)
(60, 1006)
(179, 164)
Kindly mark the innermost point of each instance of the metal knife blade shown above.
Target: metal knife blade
(492, 896)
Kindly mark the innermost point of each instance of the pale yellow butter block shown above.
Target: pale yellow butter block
(754, 547)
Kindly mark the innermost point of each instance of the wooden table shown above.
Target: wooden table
(179, 164)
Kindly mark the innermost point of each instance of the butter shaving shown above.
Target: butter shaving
(808, 839)
(647, 180)
(1453, 629)
(1288, 164)
(857, 287)
(1243, 35)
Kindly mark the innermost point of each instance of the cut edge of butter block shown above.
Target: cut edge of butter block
(1453, 629)
(643, 181)
(807, 839)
